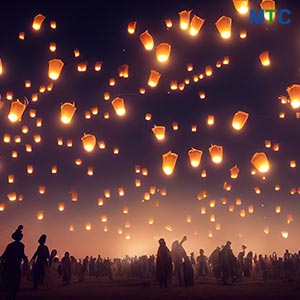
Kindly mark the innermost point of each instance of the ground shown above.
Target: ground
(138, 289)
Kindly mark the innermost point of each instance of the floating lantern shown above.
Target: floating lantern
(144, 171)
(138, 182)
(112, 81)
(210, 120)
(174, 85)
(266, 230)
(203, 210)
(241, 6)
(55, 68)
(147, 40)
(277, 187)
(290, 218)
(175, 126)
(243, 33)
(89, 142)
(195, 156)
(231, 208)
(196, 25)
(168, 23)
(54, 169)
(67, 111)
(276, 147)
(6, 138)
(17, 139)
(169, 162)
(103, 218)
(98, 66)
(293, 164)
(147, 196)
(42, 189)
(30, 169)
(212, 218)
(264, 58)
(184, 19)
(131, 27)
(239, 120)
(284, 234)
(76, 52)
(234, 172)
(277, 209)
(88, 227)
(107, 193)
(152, 190)
(90, 171)
(216, 153)
(159, 132)
(22, 35)
(267, 6)
(242, 213)
(121, 192)
(250, 209)
(148, 117)
(101, 145)
(208, 71)
(16, 111)
(224, 27)
(40, 215)
(82, 66)
(14, 154)
(123, 71)
(38, 21)
(71, 228)
(257, 190)
(119, 106)
(106, 95)
(61, 206)
(212, 203)
(163, 51)
(53, 24)
(37, 138)
(294, 94)
(10, 178)
(268, 143)
(153, 78)
(203, 173)
(194, 128)
(2, 206)
(60, 141)
(100, 201)
(52, 46)
(38, 122)
(238, 201)
(28, 148)
(260, 162)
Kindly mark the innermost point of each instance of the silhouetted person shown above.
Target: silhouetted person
(163, 264)
(178, 255)
(40, 261)
(11, 264)
(202, 262)
(228, 264)
(66, 269)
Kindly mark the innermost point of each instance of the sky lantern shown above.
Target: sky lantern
(174, 85)
(137, 169)
(1, 66)
(208, 70)
(267, 5)
(30, 169)
(169, 162)
(131, 27)
(243, 33)
(184, 19)
(54, 169)
(159, 132)
(119, 106)
(9, 95)
(147, 40)
(98, 66)
(38, 21)
(76, 52)
(231, 208)
(55, 68)
(16, 111)
(284, 234)
(242, 213)
(21, 35)
(6, 138)
(216, 153)
(17, 139)
(203, 173)
(61, 206)
(168, 23)
(250, 209)
(241, 6)
(266, 230)
(52, 46)
(212, 203)
(234, 172)
(10, 178)
(89, 142)
(210, 120)
(82, 66)
(195, 156)
(293, 164)
(260, 161)
(153, 78)
(14, 154)
(88, 226)
(224, 26)
(294, 94)
(264, 58)
(196, 25)
(40, 215)
(239, 120)
(194, 128)
(175, 126)
(144, 171)
(38, 122)
(2, 206)
(53, 24)
(163, 51)
(138, 182)
(123, 71)
(276, 147)
(90, 171)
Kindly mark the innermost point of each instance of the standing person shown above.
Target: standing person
(163, 264)
(66, 268)
(11, 264)
(40, 261)
(178, 256)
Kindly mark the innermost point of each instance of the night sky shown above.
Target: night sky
(99, 32)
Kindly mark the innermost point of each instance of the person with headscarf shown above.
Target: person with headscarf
(163, 264)
(11, 264)
(40, 260)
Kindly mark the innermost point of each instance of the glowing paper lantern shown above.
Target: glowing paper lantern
(98, 66)
(243, 33)
(267, 5)
(42, 189)
(2, 206)
(147, 40)
(241, 6)
(239, 120)
(82, 66)
(159, 132)
(89, 142)
(294, 94)
(210, 120)
(196, 25)
(153, 78)
(123, 71)
(119, 106)
(22, 35)
(55, 68)
(260, 161)
(284, 234)
(38, 21)
(40, 215)
(169, 162)
(216, 153)
(52, 46)
(242, 213)
(277, 209)
(184, 19)
(88, 227)
(16, 110)
(168, 23)
(131, 27)
(54, 169)
(208, 71)
(163, 51)
(195, 156)
(234, 172)
(61, 206)
(264, 58)
(224, 27)
(30, 169)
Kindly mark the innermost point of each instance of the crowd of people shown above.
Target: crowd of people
(166, 268)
